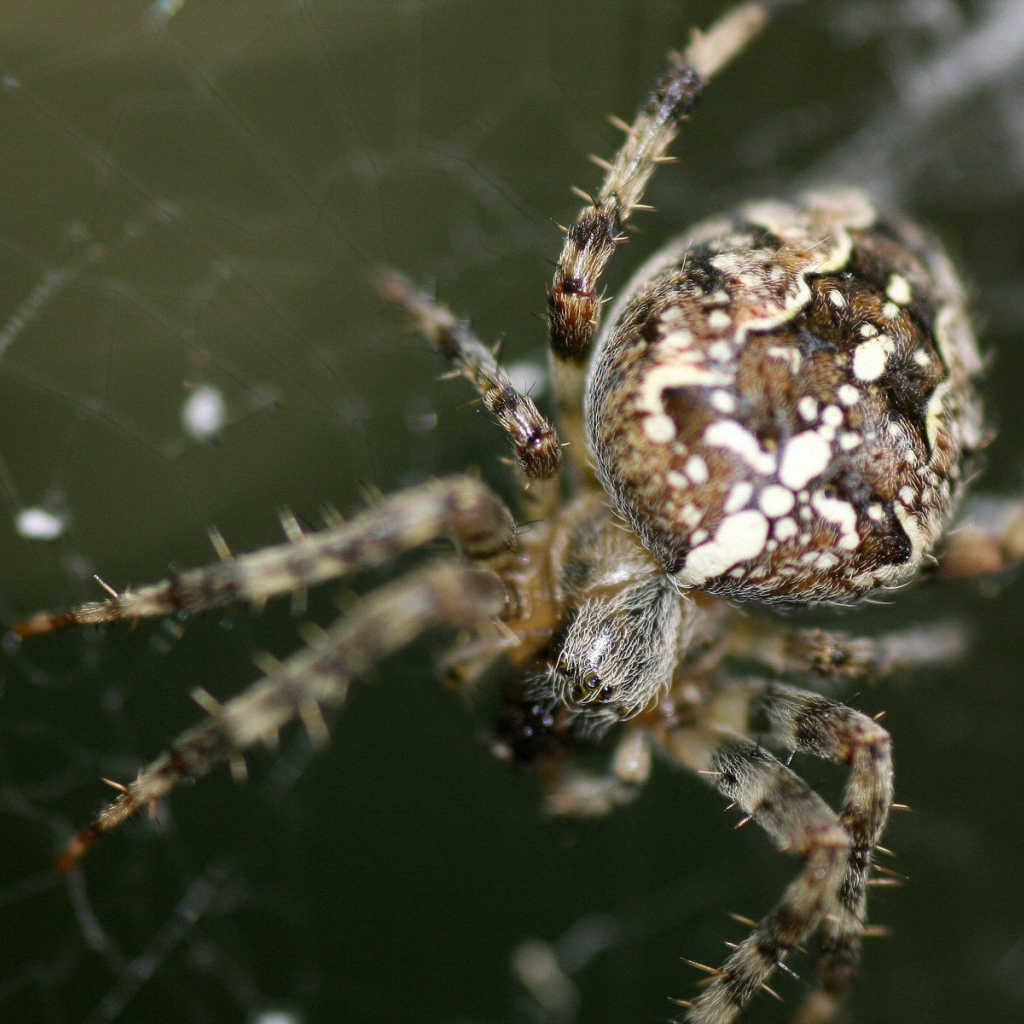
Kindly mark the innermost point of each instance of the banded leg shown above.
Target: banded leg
(316, 677)
(838, 658)
(574, 304)
(538, 450)
(798, 720)
(461, 506)
(798, 821)
(586, 794)
(824, 728)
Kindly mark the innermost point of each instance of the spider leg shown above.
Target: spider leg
(986, 540)
(445, 593)
(837, 850)
(585, 794)
(838, 658)
(574, 304)
(461, 506)
(538, 450)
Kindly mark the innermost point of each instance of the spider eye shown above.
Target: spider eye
(782, 405)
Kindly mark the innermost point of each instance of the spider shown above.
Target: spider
(780, 409)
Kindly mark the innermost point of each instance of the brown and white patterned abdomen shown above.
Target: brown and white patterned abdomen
(783, 409)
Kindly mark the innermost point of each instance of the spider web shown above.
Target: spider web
(192, 198)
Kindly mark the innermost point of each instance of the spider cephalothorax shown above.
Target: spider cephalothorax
(781, 409)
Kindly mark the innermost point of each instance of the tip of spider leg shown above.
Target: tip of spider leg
(391, 285)
(75, 850)
(44, 622)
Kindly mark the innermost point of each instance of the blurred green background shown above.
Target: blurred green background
(190, 202)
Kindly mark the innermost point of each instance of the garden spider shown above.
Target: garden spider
(780, 410)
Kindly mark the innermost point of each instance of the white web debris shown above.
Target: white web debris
(40, 524)
(277, 1016)
(537, 967)
(528, 376)
(204, 413)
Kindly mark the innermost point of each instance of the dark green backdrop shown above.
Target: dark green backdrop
(215, 194)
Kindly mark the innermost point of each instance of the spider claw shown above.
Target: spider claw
(781, 965)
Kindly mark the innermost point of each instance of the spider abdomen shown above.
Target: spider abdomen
(782, 404)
